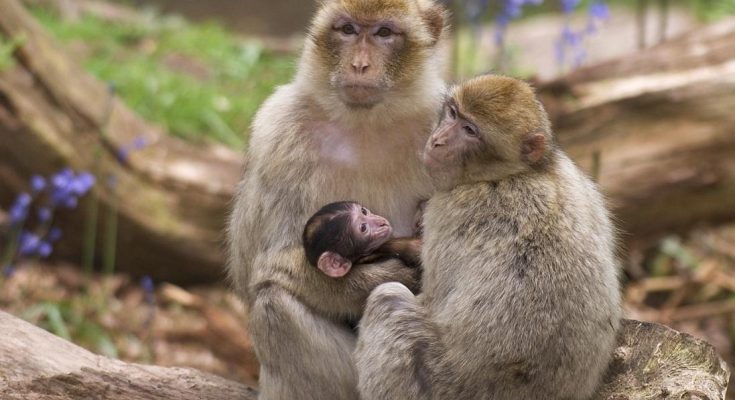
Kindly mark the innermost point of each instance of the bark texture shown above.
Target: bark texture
(651, 362)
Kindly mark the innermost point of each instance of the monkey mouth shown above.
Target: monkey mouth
(360, 95)
(431, 161)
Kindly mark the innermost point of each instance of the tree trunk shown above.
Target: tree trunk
(657, 128)
(651, 362)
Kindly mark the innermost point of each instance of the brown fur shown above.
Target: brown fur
(308, 148)
(520, 292)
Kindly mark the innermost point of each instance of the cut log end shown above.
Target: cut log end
(655, 362)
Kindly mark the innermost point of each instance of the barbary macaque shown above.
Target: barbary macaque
(351, 125)
(344, 233)
(520, 297)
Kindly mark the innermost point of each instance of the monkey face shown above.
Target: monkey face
(371, 47)
(491, 127)
(366, 50)
(455, 140)
(369, 230)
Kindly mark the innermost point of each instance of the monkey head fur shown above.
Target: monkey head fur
(487, 133)
(364, 53)
(340, 233)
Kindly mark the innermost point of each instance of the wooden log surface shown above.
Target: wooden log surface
(651, 362)
(174, 195)
(656, 128)
(36, 365)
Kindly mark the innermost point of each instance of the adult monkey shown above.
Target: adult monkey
(520, 292)
(350, 126)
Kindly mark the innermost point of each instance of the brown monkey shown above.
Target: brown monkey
(520, 290)
(344, 233)
(350, 126)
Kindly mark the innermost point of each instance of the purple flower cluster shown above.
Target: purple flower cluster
(66, 187)
(570, 46)
(510, 10)
(61, 190)
(123, 153)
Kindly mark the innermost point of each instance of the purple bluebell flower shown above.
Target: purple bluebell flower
(568, 6)
(29, 244)
(67, 187)
(146, 282)
(54, 234)
(139, 143)
(19, 209)
(44, 249)
(44, 214)
(572, 41)
(510, 10)
(123, 153)
(600, 11)
(82, 183)
(38, 183)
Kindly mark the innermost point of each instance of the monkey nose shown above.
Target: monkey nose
(359, 68)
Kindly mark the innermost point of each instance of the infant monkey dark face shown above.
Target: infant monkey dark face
(341, 233)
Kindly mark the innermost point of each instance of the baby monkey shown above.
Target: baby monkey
(344, 233)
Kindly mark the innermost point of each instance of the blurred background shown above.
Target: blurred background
(123, 127)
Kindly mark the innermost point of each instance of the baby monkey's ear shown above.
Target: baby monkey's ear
(534, 147)
(333, 264)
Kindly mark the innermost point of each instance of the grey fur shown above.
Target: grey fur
(521, 296)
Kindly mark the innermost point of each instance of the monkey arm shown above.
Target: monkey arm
(399, 350)
(302, 355)
(407, 249)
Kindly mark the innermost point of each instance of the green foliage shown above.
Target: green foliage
(710, 10)
(70, 320)
(7, 48)
(196, 80)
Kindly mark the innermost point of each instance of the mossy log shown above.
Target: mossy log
(651, 362)
(656, 128)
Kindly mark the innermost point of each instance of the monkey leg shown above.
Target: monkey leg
(302, 355)
(398, 349)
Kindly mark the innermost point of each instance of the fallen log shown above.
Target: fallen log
(175, 194)
(36, 365)
(656, 128)
(651, 362)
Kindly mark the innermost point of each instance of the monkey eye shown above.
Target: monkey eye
(452, 112)
(384, 32)
(348, 29)
(363, 228)
(364, 211)
(470, 130)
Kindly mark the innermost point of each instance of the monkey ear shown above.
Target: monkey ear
(333, 264)
(434, 17)
(534, 148)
